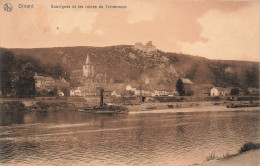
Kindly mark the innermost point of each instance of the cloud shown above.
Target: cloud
(234, 35)
(99, 32)
(68, 20)
(141, 10)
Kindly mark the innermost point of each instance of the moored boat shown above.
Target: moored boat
(105, 108)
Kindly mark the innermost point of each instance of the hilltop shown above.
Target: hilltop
(125, 65)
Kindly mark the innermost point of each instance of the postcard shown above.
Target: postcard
(129, 82)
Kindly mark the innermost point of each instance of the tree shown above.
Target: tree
(6, 63)
(25, 86)
(234, 91)
(252, 77)
(180, 87)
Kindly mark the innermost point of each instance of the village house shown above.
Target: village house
(254, 91)
(40, 80)
(138, 92)
(49, 84)
(60, 93)
(75, 92)
(153, 93)
(84, 91)
(173, 93)
(159, 93)
(188, 86)
(219, 91)
(114, 93)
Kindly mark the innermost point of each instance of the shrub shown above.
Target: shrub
(12, 106)
(212, 156)
(249, 146)
(42, 105)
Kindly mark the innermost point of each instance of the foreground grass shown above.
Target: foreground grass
(244, 148)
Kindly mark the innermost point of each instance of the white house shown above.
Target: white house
(40, 80)
(159, 93)
(75, 92)
(219, 91)
(113, 93)
(60, 93)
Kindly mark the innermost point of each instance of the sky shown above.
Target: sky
(223, 29)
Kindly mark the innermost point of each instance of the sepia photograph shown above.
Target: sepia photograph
(129, 82)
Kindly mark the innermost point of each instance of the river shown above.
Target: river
(78, 138)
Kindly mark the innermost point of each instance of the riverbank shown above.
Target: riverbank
(248, 158)
(75, 103)
(185, 107)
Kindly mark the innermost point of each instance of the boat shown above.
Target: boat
(104, 108)
(112, 109)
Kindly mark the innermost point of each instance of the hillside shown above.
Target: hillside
(124, 64)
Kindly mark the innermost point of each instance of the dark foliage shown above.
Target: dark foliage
(25, 86)
(6, 63)
(168, 99)
(252, 77)
(234, 91)
(12, 106)
(180, 87)
(249, 146)
(17, 73)
(223, 78)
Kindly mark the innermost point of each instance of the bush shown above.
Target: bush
(12, 106)
(249, 146)
(167, 99)
(212, 156)
(42, 105)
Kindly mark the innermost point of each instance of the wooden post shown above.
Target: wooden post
(101, 97)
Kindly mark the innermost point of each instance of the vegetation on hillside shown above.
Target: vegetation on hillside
(126, 65)
(17, 73)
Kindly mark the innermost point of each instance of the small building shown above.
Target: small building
(188, 86)
(173, 93)
(60, 93)
(56, 84)
(254, 91)
(40, 80)
(186, 81)
(159, 93)
(114, 93)
(219, 91)
(75, 92)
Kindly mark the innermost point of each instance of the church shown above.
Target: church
(88, 68)
(87, 76)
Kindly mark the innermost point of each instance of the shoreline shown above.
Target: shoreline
(73, 104)
(186, 107)
(246, 159)
(198, 109)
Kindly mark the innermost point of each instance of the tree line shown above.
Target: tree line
(17, 73)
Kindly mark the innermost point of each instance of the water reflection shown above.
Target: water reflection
(78, 138)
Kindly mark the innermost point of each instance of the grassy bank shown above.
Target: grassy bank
(73, 103)
(247, 155)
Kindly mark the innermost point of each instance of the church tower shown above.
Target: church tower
(88, 68)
